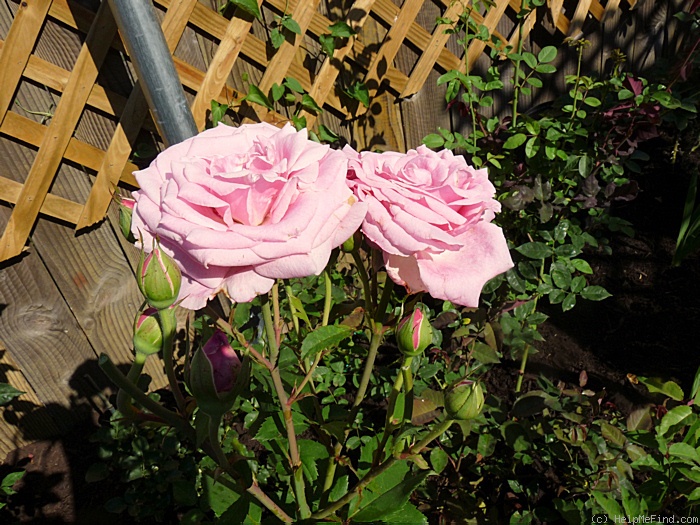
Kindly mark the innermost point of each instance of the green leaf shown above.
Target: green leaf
(8, 393)
(388, 502)
(322, 338)
(340, 488)
(311, 452)
(545, 69)
(582, 266)
(256, 96)
(534, 250)
(585, 165)
(625, 94)
(685, 451)
(673, 417)
(276, 38)
(220, 492)
(407, 515)
(434, 141)
(326, 135)
(595, 293)
(293, 84)
(360, 92)
(515, 141)
(568, 303)
(485, 354)
(547, 54)
(439, 459)
(592, 101)
(612, 434)
(277, 92)
(310, 104)
(249, 6)
(657, 386)
(341, 29)
(289, 23)
(299, 308)
(530, 60)
(327, 44)
(217, 112)
(561, 276)
(532, 147)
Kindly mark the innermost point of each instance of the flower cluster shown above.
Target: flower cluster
(240, 207)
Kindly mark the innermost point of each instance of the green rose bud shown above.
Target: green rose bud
(464, 400)
(148, 335)
(126, 210)
(159, 278)
(414, 334)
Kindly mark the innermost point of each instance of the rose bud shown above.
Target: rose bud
(414, 334)
(126, 210)
(464, 400)
(148, 335)
(213, 374)
(159, 278)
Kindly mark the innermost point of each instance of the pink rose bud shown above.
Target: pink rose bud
(126, 210)
(464, 400)
(158, 278)
(213, 374)
(148, 335)
(414, 334)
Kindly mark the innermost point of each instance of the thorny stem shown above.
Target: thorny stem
(577, 85)
(294, 457)
(168, 325)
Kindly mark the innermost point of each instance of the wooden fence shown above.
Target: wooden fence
(74, 125)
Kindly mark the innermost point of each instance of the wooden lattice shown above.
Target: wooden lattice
(79, 90)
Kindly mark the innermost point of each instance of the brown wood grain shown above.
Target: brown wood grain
(58, 135)
(220, 67)
(21, 39)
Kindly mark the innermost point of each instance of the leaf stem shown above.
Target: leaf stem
(328, 299)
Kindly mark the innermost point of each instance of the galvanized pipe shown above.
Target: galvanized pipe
(155, 69)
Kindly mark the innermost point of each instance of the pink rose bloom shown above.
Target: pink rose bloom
(240, 207)
(430, 213)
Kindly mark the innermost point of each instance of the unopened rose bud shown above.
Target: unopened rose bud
(464, 400)
(148, 335)
(213, 374)
(126, 210)
(414, 334)
(159, 278)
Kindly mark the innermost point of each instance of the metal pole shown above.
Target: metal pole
(155, 69)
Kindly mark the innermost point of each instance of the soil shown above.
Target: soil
(647, 328)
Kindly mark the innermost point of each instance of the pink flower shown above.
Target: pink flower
(240, 207)
(430, 213)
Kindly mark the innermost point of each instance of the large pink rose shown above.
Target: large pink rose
(240, 207)
(430, 213)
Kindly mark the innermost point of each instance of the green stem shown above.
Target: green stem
(369, 367)
(168, 325)
(380, 313)
(516, 77)
(366, 288)
(292, 309)
(294, 457)
(574, 107)
(121, 381)
(407, 374)
(379, 469)
(123, 398)
(270, 332)
(329, 297)
(521, 371)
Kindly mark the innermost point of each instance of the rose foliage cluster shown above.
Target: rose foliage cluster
(238, 208)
